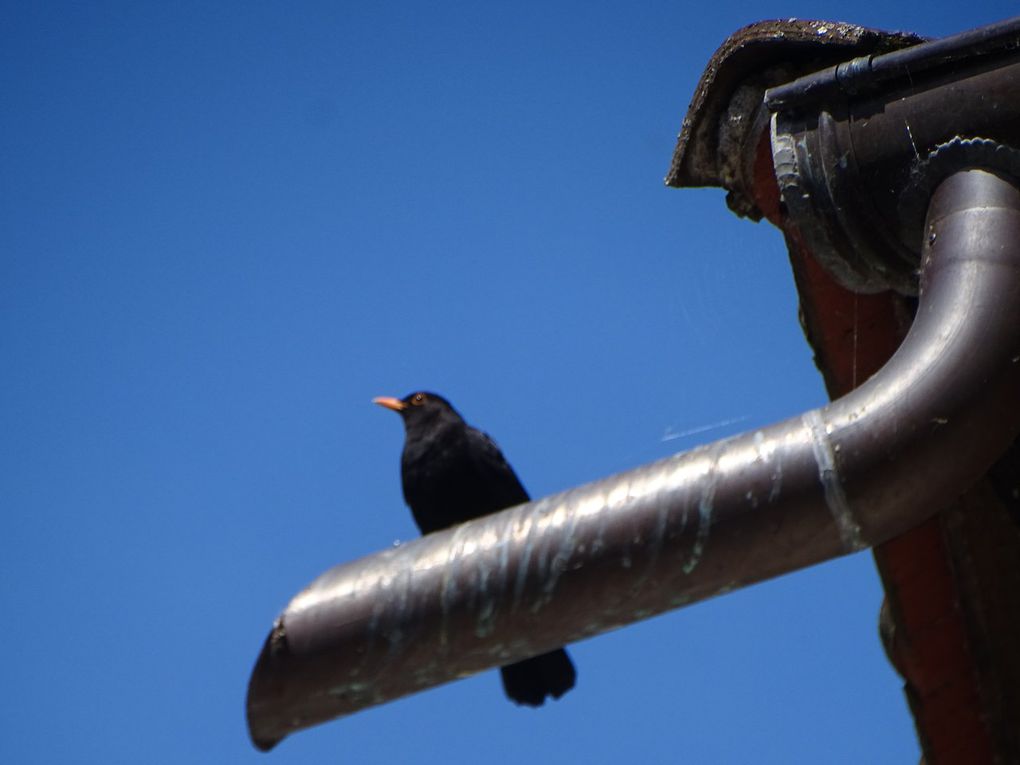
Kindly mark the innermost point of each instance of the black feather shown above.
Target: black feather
(451, 473)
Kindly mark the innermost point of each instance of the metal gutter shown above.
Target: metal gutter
(834, 480)
(726, 117)
(867, 73)
(857, 146)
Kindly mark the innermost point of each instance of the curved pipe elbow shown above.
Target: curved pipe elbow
(837, 479)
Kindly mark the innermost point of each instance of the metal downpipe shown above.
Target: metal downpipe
(834, 480)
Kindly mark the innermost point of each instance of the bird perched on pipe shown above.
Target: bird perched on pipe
(451, 473)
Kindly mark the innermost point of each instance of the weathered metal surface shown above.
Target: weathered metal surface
(726, 114)
(854, 473)
(858, 147)
(970, 49)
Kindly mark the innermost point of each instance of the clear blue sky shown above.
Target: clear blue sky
(225, 227)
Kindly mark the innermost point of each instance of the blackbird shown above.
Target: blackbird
(451, 473)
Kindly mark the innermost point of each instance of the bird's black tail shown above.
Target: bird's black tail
(530, 681)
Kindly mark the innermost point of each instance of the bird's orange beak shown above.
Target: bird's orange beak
(390, 403)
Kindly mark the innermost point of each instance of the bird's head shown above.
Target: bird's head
(420, 408)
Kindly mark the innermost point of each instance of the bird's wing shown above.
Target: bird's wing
(503, 485)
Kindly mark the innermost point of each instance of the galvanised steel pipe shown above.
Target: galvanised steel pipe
(834, 480)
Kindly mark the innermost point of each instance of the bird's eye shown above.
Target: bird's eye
(418, 399)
